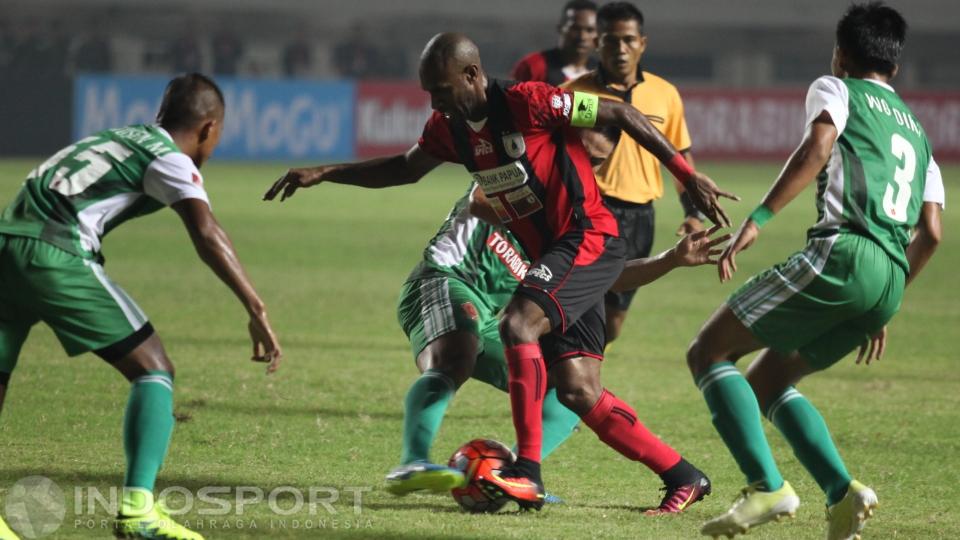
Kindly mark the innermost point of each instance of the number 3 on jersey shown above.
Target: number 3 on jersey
(896, 200)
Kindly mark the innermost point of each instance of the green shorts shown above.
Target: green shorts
(432, 307)
(41, 282)
(824, 301)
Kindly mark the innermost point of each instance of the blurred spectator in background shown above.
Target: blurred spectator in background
(298, 56)
(38, 50)
(93, 54)
(356, 57)
(227, 51)
(573, 57)
(184, 55)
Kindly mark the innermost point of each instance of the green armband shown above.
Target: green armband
(761, 215)
(585, 107)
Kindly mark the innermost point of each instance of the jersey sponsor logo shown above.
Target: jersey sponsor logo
(482, 148)
(523, 201)
(541, 272)
(514, 144)
(508, 255)
(500, 210)
(566, 105)
(502, 178)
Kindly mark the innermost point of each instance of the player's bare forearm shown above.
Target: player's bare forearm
(639, 272)
(694, 249)
(636, 125)
(373, 173)
(925, 240)
(380, 172)
(804, 164)
(214, 248)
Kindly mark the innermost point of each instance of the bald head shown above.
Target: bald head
(450, 72)
(449, 51)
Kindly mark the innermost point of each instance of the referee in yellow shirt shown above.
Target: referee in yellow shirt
(628, 175)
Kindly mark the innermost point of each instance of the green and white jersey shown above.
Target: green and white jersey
(467, 248)
(881, 169)
(87, 189)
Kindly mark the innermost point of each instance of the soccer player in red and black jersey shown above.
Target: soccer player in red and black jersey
(574, 55)
(519, 142)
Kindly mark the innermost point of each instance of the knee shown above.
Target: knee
(516, 329)
(579, 399)
(457, 369)
(698, 357)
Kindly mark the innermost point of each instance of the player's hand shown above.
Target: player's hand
(705, 194)
(699, 248)
(742, 239)
(690, 225)
(266, 348)
(874, 347)
(294, 179)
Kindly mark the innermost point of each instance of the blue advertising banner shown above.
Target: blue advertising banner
(310, 120)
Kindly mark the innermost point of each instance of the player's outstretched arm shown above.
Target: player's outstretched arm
(925, 239)
(693, 249)
(381, 172)
(801, 168)
(214, 248)
(703, 192)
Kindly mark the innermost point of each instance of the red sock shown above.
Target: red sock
(528, 384)
(617, 425)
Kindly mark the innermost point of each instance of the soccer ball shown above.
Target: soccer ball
(478, 458)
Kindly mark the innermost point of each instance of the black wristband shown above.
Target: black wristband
(689, 210)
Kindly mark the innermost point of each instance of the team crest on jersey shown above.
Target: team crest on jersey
(514, 144)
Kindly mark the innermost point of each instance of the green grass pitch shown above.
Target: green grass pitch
(329, 264)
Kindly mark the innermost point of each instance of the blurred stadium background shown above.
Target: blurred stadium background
(335, 79)
(313, 81)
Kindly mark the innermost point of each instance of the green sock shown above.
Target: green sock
(558, 423)
(804, 428)
(424, 407)
(736, 415)
(147, 426)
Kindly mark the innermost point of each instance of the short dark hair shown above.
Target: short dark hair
(871, 35)
(618, 11)
(188, 100)
(576, 5)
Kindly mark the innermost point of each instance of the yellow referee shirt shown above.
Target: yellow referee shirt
(631, 173)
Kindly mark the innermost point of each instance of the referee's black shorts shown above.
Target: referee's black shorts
(636, 228)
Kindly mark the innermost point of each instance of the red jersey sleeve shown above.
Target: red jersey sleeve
(538, 105)
(437, 140)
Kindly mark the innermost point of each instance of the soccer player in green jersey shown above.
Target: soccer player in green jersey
(449, 309)
(51, 271)
(879, 198)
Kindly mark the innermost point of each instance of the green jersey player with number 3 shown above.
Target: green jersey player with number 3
(877, 182)
(51, 271)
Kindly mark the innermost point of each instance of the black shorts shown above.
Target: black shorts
(637, 223)
(568, 283)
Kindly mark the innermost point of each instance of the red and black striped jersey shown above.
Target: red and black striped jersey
(529, 162)
(546, 66)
